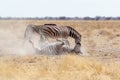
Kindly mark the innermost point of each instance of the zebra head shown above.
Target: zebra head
(77, 49)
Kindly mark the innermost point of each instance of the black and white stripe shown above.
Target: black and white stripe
(54, 48)
(54, 31)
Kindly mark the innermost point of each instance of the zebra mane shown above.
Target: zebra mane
(51, 24)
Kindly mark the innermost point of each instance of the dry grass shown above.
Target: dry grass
(101, 39)
(64, 67)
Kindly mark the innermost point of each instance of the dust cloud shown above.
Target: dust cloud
(12, 37)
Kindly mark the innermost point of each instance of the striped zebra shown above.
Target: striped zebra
(54, 48)
(42, 46)
(54, 31)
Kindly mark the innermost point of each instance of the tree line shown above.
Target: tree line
(61, 18)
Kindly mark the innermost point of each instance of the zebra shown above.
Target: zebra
(54, 31)
(42, 46)
(54, 48)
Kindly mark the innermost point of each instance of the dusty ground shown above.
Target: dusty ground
(100, 39)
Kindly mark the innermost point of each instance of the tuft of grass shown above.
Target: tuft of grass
(64, 67)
